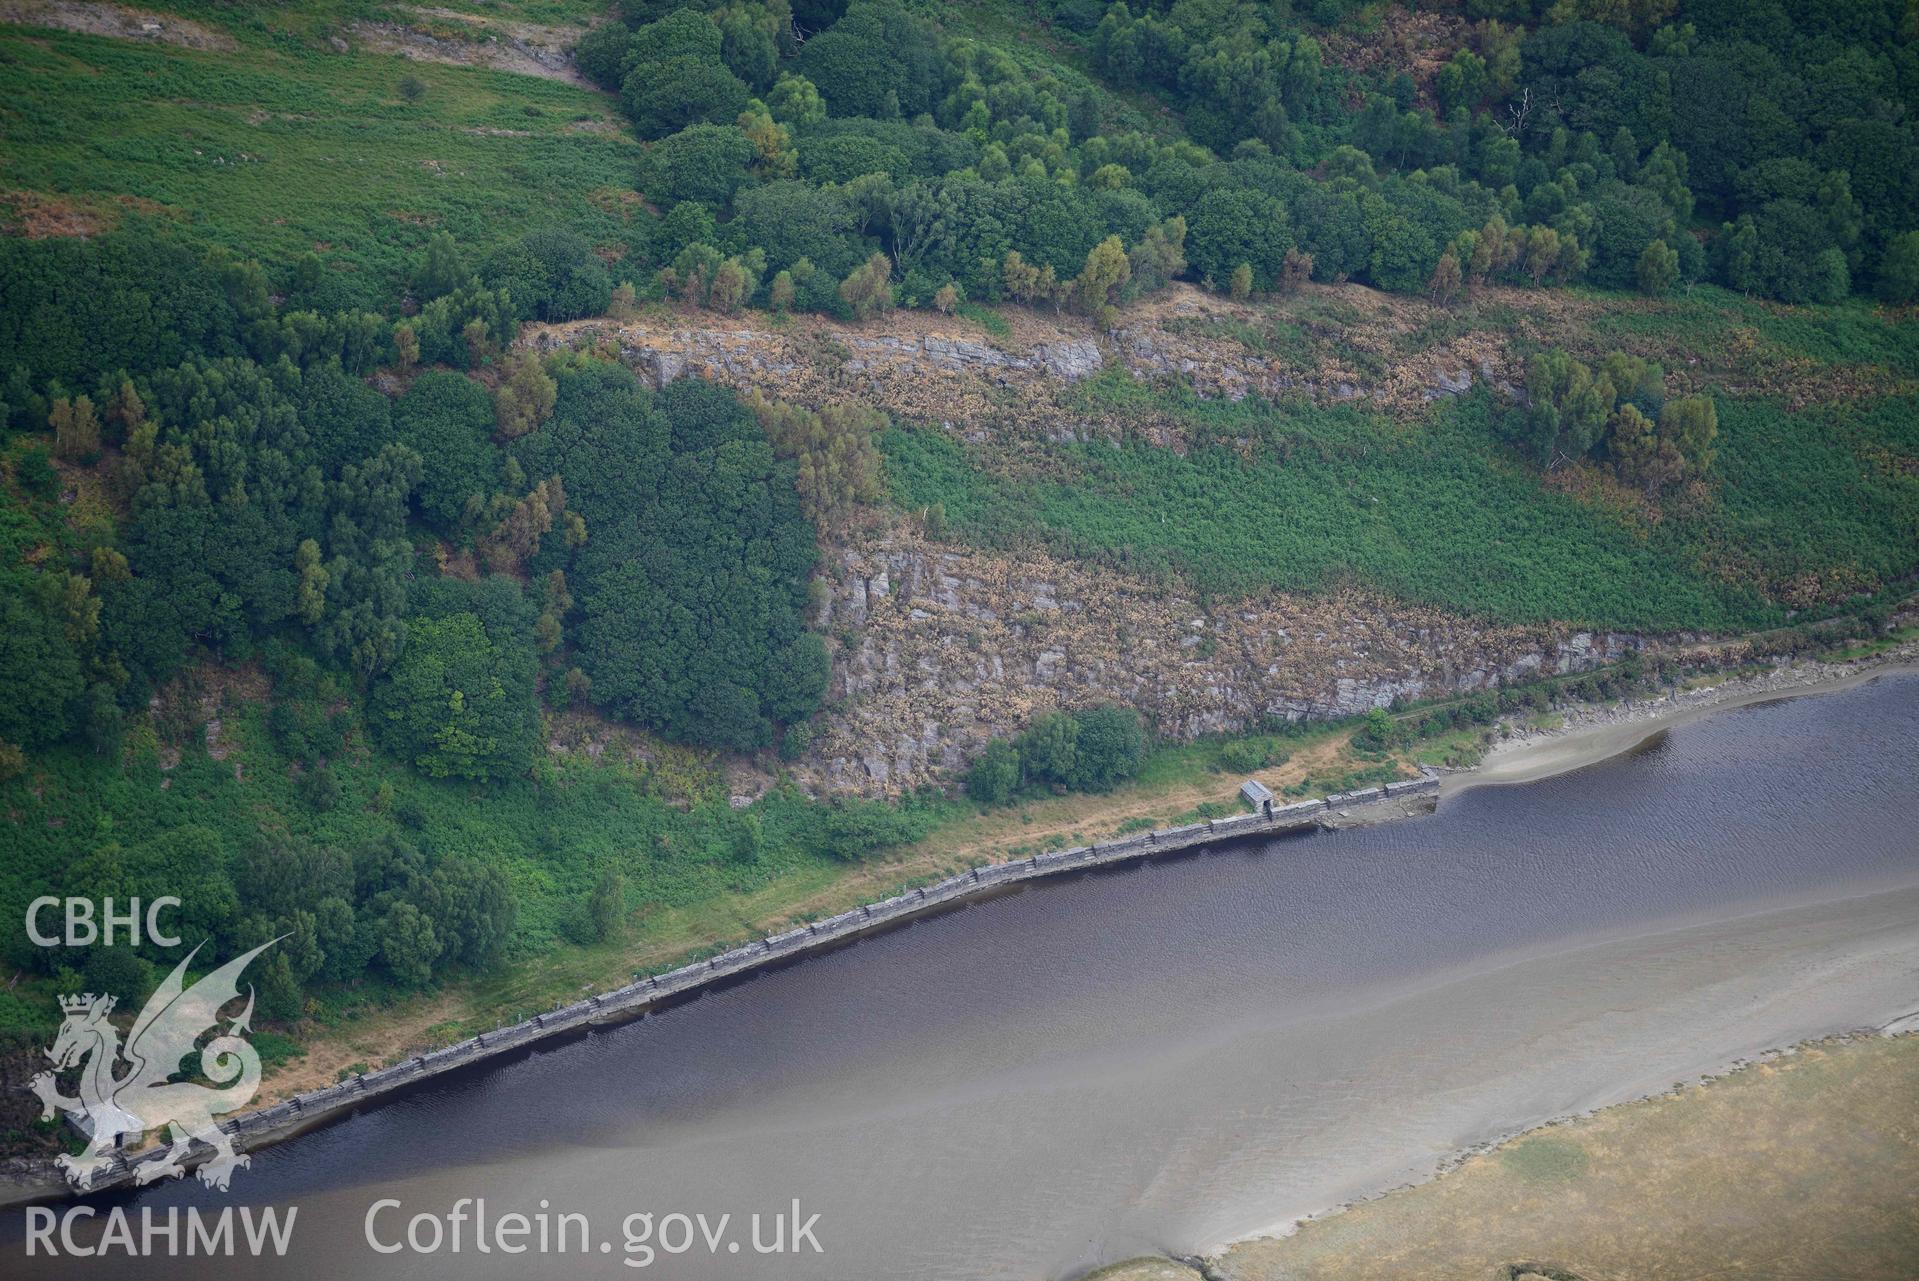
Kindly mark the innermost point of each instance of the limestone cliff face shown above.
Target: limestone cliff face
(940, 649)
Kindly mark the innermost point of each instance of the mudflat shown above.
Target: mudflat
(1801, 1165)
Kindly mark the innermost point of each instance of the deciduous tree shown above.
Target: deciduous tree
(1658, 269)
(869, 289)
(76, 429)
(1097, 288)
(525, 397)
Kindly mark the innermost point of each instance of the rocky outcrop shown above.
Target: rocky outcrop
(830, 362)
(1147, 354)
(115, 21)
(943, 369)
(1068, 360)
(940, 649)
(428, 34)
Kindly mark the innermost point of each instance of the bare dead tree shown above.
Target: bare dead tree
(1518, 113)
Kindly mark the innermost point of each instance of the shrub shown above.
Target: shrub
(34, 471)
(1049, 750)
(459, 702)
(671, 94)
(606, 906)
(1250, 755)
(1378, 732)
(703, 163)
(551, 275)
(1110, 745)
(449, 419)
(319, 789)
(995, 774)
(1090, 751)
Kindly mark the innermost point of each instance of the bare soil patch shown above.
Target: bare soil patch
(1418, 44)
(40, 215)
(119, 22)
(470, 40)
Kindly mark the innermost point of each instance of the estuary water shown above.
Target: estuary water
(1172, 1055)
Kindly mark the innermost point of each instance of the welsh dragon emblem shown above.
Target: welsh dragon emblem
(145, 1098)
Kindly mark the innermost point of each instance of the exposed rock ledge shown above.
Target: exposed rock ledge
(941, 369)
(940, 649)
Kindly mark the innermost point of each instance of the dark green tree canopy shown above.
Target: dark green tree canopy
(702, 162)
(458, 702)
(38, 666)
(878, 60)
(448, 418)
(692, 582)
(551, 275)
(792, 220)
(1230, 226)
(676, 92)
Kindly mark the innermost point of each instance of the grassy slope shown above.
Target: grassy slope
(1815, 496)
(282, 147)
(263, 21)
(1440, 517)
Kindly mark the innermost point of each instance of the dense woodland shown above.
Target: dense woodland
(1644, 145)
(423, 541)
(429, 541)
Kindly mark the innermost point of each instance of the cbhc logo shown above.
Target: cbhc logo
(83, 931)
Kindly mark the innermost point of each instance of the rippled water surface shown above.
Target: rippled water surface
(1167, 1056)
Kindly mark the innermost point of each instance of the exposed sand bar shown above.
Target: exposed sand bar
(1594, 734)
